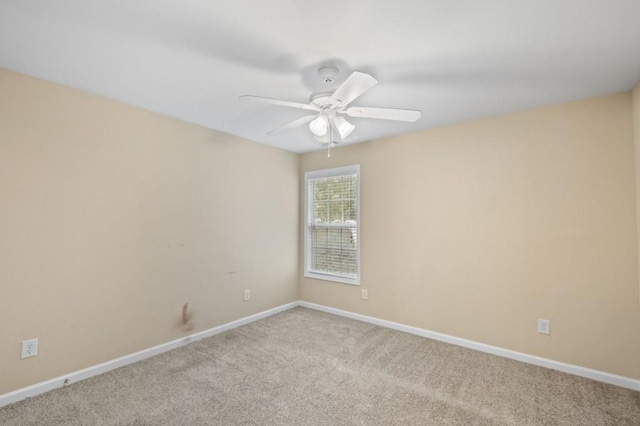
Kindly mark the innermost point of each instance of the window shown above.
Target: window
(332, 246)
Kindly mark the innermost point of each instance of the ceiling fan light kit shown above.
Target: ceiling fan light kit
(329, 107)
(319, 126)
(344, 127)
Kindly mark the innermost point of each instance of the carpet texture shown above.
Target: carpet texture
(303, 367)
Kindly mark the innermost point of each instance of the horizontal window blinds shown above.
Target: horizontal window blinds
(332, 224)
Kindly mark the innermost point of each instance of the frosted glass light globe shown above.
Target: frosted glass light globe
(319, 126)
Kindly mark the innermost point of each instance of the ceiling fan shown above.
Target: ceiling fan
(327, 121)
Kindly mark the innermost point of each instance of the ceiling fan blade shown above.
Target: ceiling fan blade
(279, 102)
(291, 125)
(355, 85)
(385, 113)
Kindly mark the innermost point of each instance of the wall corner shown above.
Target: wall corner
(635, 94)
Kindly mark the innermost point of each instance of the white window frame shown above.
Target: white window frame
(326, 173)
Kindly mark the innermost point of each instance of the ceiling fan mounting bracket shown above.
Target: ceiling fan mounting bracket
(328, 74)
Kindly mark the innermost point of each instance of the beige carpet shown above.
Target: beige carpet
(303, 367)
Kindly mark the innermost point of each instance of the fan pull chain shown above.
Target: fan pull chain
(330, 138)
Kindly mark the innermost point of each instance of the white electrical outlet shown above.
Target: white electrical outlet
(247, 295)
(29, 348)
(544, 326)
(365, 294)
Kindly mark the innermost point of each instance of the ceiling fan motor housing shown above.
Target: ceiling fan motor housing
(322, 99)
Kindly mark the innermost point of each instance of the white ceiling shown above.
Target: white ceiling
(453, 60)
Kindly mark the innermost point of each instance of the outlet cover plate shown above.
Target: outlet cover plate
(29, 348)
(544, 326)
(365, 294)
(247, 295)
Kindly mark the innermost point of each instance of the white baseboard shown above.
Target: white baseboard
(58, 382)
(601, 376)
(76, 376)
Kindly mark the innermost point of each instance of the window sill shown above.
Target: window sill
(334, 278)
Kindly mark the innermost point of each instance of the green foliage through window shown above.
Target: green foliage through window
(335, 199)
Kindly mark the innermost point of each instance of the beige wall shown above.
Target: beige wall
(478, 229)
(112, 217)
